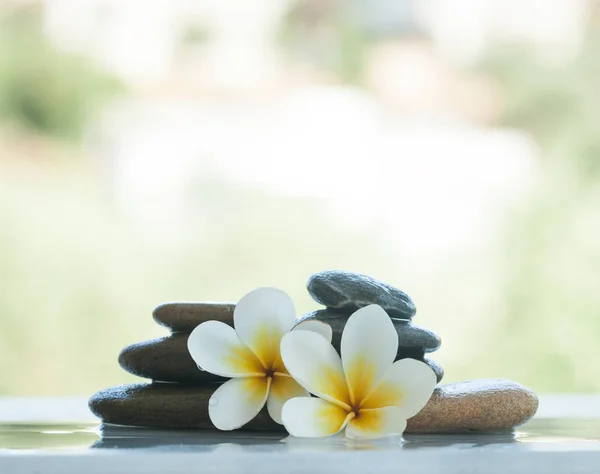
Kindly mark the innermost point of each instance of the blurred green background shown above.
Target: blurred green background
(197, 150)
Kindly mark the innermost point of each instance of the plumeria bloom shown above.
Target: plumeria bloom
(364, 392)
(250, 356)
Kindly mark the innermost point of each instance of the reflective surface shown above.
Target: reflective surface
(539, 434)
(549, 445)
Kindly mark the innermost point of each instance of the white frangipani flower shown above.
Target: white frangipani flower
(250, 355)
(364, 392)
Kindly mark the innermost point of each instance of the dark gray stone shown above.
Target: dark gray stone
(437, 369)
(351, 291)
(410, 337)
(488, 405)
(163, 405)
(164, 359)
(186, 316)
(410, 353)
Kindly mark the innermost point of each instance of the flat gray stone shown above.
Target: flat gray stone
(165, 359)
(185, 317)
(163, 405)
(349, 291)
(410, 336)
(487, 405)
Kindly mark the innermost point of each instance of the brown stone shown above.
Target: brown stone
(185, 317)
(165, 359)
(476, 405)
(487, 405)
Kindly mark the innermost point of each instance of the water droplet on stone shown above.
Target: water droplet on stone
(213, 401)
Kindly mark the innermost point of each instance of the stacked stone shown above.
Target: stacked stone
(166, 359)
(178, 392)
(342, 293)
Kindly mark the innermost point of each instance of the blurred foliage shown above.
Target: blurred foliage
(79, 279)
(559, 104)
(42, 89)
(195, 34)
(335, 36)
(327, 36)
(550, 310)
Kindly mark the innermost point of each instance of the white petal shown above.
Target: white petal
(238, 401)
(369, 346)
(261, 318)
(317, 326)
(378, 423)
(282, 389)
(315, 365)
(408, 385)
(216, 348)
(313, 417)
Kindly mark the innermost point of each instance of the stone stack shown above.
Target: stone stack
(166, 359)
(342, 293)
(178, 394)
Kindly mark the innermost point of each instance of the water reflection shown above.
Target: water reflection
(125, 437)
(48, 435)
(537, 431)
(122, 437)
(459, 441)
(580, 428)
(538, 434)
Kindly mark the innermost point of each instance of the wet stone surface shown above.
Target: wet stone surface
(349, 291)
